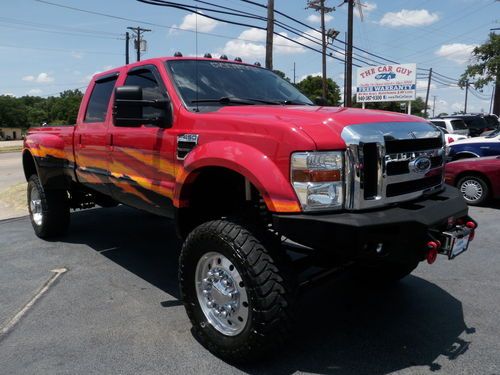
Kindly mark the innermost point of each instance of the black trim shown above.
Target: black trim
(404, 227)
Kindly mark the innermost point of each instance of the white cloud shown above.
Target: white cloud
(367, 9)
(457, 52)
(422, 84)
(251, 44)
(316, 18)
(411, 18)
(193, 21)
(77, 55)
(317, 74)
(41, 78)
(34, 91)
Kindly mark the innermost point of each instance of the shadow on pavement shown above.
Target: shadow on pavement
(342, 327)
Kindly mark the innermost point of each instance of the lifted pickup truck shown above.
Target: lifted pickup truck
(249, 168)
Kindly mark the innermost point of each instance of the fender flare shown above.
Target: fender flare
(245, 160)
(47, 151)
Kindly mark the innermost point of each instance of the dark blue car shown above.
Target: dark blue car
(476, 147)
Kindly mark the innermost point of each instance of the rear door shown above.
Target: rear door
(141, 157)
(91, 136)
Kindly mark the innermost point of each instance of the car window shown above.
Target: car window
(99, 100)
(491, 121)
(441, 124)
(475, 122)
(151, 90)
(458, 124)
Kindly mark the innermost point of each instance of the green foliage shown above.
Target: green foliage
(312, 87)
(487, 67)
(29, 111)
(417, 106)
(281, 74)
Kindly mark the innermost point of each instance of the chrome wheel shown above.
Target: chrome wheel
(36, 206)
(471, 190)
(221, 294)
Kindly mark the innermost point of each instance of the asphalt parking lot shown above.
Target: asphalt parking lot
(116, 309)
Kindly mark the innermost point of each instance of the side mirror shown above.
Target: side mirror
(129, 105)
(319, 100)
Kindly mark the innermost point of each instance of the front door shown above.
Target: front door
(141, 158)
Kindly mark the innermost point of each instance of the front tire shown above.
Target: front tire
(235, 292)
(49, 209)
(474, 190)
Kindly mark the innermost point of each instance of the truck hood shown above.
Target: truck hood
(323, 125)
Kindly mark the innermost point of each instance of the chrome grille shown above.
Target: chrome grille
(384, 160)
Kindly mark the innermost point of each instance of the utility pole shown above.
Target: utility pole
(466, 95)
(294, 75)
(319, 6)
(270, 34)
(138, 39)
(345, 72)
(434, 106)
(127, 43)
(350, 25)
(428, 89)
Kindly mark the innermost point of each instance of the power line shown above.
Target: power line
(60, 50)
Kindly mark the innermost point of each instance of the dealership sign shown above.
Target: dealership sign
(386, 83)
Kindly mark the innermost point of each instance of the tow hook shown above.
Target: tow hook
(432, 251)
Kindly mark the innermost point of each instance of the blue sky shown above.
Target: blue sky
(46, 49)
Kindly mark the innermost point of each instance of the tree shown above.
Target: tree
(312, 87)
(417, 106)
(281, 74)
(29, 111)
(486, 69)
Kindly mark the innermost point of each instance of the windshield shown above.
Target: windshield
(494, 134)
(222, 80)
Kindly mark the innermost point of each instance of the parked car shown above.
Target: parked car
(450, 138)
(240, 159)
(476, 124)
(476, 147)
(477, 179)
(452, 125)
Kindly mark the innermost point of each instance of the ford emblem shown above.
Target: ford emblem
(420, 165)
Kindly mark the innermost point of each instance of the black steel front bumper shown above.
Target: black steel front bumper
(403, 230)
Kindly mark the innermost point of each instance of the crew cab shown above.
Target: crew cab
(251, 171)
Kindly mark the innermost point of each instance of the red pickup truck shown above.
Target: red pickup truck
(250, 169)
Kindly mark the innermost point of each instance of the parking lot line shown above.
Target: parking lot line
(4, 329)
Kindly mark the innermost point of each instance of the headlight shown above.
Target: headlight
(318, 180)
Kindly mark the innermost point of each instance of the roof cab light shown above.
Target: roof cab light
(317, 178)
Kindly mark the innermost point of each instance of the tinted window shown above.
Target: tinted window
(441, 124)
(99, 100)
(492, 121)
(151, 90)
(458, 124)
(475, 122)
(215, 79)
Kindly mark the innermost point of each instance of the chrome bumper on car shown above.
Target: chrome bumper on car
(391, 162)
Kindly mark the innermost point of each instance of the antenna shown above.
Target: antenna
(196, 59)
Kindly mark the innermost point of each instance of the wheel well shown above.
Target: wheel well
(465, 155)
(215, 192)
(475, 174)
(29, 165)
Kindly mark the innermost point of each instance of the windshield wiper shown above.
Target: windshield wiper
(225, 100)
(294, 102)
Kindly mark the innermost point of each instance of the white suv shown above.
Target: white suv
(452, 125)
